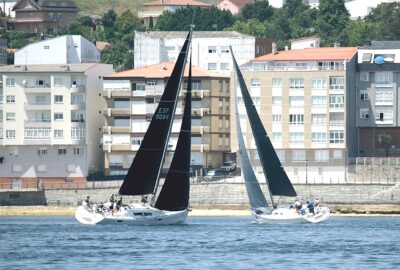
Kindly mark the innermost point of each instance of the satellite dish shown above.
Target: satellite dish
(379, 60)
(388, 59)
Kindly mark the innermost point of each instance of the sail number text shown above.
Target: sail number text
(163, 114)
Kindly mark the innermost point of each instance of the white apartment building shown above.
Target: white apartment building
(302, 97)
(49, 123)
(68, 49)
(210, 48)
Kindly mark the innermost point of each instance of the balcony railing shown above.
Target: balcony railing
(38, 89)
(37, 106)
(77, 88)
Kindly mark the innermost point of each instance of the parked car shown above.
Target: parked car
(214, 175)
(229, 166)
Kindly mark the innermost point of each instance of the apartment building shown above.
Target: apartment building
(43, 16)
(303, 97)
(131, 98)
(378, 99)
(210, 48)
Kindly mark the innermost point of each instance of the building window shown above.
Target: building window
(336, 101)
(296, 137)
(318, 119)
(225, 49)
(364, 76)
(296, 101)
(62, 151)
(276, 100)
(10, 82)
(140, 87)
(319, 101)
(42, 152)
(58, 82)
(255, 82)
(77, 133)
(10, 134)
(13, 151)
(224, 66)
(40, 82)
(336, 136)
(318, 83)
(366, 57)
(337, 154)
(212, 66)
(78, 151)
(296, 119)
(384, 78)
(281, 154)
(296, 84)
(79, 99)
(384, 98)
(276, 82)
(77, 117)
(320, 171)
(137, 141)
(364, 95)
(10, 116)
(336, 83)
(364, 113)
(150, 82)
(58, 116)
(10, 99)
(212, 49)
(37, 133)
(384, 117)
(319, 137)
(46, 47)
(58, 134)
(321, 155)
(58, 99)
(277, 118)
(299, 155)
(277, 136)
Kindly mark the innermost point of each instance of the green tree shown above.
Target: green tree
(385, 140)
(206, 19)
(260, 10)
(360, 32)
(278, 28)
(109, 19)
(294, 7)
(332, 20)
(385, 17)
(119, 55)
(302, 23)
(251, 27)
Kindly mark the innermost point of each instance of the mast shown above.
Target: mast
(277, 179)
(143, 175)
(174, 195)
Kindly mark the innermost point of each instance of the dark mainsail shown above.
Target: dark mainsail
(143, 174)
(174, 195)
(277, 179)
(254, 192)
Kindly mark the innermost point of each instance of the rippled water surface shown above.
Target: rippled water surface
(202, 243)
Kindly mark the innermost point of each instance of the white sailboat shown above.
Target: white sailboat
(278, 183)
(171, 206)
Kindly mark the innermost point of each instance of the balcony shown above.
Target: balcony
(200, 147)
(45, 123)
(78, 106)
(117, 93)
(154, 90)
(37, 106)
(77, 122)
(78, 88)
(200, 93)
(38, 89)
(200, 111)
(117, 111)
(336, 123)
(117, 129)
(37, 141)
(200, 129)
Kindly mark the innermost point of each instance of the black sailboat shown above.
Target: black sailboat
(143, 175)
(277, 179)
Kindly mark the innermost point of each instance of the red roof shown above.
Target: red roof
(161, 71)
(240, 3)
(177, 3)
(311, 54)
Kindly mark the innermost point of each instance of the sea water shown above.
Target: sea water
(201, 243)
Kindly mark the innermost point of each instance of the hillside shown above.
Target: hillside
(100, 7)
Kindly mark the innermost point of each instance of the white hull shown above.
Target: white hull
(135, 214)
(291, 215)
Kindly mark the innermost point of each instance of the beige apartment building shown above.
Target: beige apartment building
(303, 97)
(49, 124)
(131, 98)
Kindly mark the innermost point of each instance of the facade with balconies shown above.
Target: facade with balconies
(50, 125)
(303, 97)
(378, 98)
(131, 98)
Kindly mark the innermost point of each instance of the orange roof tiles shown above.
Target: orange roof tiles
(311, 54)
(177, 3)
(162, 70)
(100, 45)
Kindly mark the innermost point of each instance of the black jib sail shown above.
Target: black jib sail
(277, 179)
(254, 192)
(174, 195)
(143, 174)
